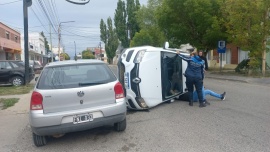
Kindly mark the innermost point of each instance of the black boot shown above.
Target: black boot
(202, 104)
(190, 103)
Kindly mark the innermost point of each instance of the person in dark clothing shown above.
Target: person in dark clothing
(194, 76)
(204, 59)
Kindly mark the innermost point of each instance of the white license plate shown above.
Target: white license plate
(82, 118)
(126, 80)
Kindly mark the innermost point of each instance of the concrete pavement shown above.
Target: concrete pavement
(208, 75)
(260, 81)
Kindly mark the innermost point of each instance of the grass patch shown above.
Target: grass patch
(13, 90)
(8, 102)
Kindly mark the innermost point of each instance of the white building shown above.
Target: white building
(55, 50)
(36, 47)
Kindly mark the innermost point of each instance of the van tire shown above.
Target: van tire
(39, 140)
(120, 126)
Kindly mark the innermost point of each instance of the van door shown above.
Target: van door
(171, 75)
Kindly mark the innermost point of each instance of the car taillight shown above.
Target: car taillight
(119, 92)
(36, 101)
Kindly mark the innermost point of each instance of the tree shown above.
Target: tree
(141, 38)
(248, 25)
(120, 21)
(132, 25)
(125, 20)
(47, 48)
(109, 37)
(67, 57)
(150, 33)
(198, 22)
(87, 55)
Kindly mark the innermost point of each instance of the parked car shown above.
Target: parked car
(72, 96)
(36, 65)
(13, 72)
(151, 76)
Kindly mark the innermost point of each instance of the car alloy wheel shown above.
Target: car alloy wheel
(17, 81)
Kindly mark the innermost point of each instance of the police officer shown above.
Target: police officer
(194, 76)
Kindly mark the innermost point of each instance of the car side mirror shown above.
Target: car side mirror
(36, 78)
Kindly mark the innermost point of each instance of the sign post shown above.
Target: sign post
(221, 49)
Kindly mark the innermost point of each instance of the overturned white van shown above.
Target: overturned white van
(151, 76)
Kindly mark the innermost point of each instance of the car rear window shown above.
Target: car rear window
(73, 76)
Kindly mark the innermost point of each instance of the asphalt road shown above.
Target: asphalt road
(241, 123)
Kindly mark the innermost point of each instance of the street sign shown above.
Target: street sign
(221, 47)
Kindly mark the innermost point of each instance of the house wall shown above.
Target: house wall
(10, 47)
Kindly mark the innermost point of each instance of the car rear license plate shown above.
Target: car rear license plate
(82, 118)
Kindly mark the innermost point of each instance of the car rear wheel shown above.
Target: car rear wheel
(120, 126)
(17, 81)
(39, 140)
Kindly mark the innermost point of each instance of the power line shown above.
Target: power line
(10, 2)
(46, 14)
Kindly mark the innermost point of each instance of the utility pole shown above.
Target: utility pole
(51, 44)
(75, 51)
(26, 4)
(59, 38)
(100, 52)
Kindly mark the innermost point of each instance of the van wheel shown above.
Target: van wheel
(39, 140)
(17, 81)
(120, 126)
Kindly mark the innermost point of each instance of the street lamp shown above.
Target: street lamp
(59, 37)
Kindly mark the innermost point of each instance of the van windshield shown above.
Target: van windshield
(73, 76)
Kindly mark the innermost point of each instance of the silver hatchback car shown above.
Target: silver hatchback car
(73, 96)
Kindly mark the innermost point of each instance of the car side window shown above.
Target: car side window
(5, 65)
(14, 65)
(8, 66)
(2, 65)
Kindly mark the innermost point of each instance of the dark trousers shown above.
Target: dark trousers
(190, 83)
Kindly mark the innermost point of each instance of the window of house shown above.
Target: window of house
(7, 35)
(16, 38)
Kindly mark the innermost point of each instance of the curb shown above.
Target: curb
(219, 78)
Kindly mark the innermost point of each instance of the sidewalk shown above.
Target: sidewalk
(244, 79)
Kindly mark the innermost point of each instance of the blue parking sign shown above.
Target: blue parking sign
(221, 47)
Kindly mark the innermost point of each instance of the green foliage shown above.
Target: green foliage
(13, 90)
(87, 55)
(8, 102)
(67, 57)
(47, 48)
(150, 33)
(109, 37)
(141, 38)
(132, 24)
(103, 31)
(198, 22)
(248, 26)
(120, 23)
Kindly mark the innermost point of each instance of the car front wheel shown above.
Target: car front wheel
(120, 126)
(17, 81)
(39, 140)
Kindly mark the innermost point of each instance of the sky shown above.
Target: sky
(82, 20)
